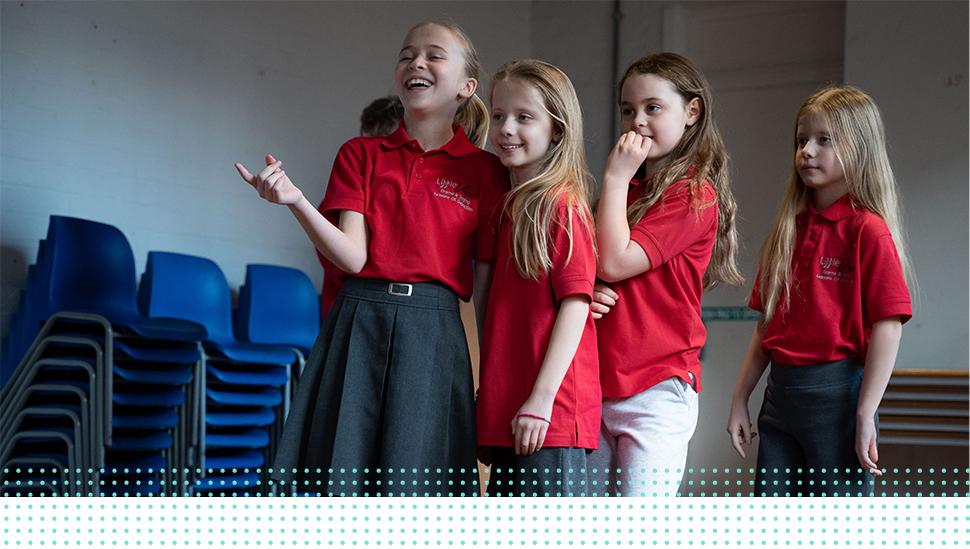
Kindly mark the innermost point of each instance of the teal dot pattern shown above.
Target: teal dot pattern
(515, 522)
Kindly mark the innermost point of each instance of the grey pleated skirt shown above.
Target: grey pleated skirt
(385, 404)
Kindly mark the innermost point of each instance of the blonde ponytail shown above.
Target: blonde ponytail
(473, 117)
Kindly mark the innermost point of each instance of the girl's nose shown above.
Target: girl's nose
(417, 63)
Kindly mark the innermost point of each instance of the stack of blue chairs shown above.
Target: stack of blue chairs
(95, 394)
(279, 306)
(106, 390)
(245, 391)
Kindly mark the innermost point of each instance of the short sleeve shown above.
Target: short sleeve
(490, 200)
(674, 223)
(345, 190)
(884, 290)
(573, 272)
(754, 302)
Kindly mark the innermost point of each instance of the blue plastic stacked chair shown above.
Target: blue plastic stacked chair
(245, 383)
(279, 306)
(99, 385)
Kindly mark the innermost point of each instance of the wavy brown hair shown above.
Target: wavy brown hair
(701, 149)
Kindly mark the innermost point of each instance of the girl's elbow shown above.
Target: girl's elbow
(610, 271)
(355, 265)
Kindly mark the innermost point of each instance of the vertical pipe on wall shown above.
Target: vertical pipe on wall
(617, 17)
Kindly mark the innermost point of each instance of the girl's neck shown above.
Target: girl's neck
(521, 174)
(431, 131)
(652, 167)
(828, 195)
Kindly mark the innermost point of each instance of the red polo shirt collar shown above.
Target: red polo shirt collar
(459, 146)
(840, 209)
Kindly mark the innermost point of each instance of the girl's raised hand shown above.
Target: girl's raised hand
(739, 427)
(628, 154)
(271, 182)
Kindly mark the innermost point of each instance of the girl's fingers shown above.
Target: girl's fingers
(872, 456)
(522, 446)
(599, 308)
(606, 290)
(534, 440)
(270, 159)
(542, 437)
(597, 316)
(736, 442)
(601, 298)
(274, 179)
(244, 173)
(268, 170)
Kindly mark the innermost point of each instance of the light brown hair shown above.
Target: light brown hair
(700, 148)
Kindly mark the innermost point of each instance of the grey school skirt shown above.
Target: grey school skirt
(385, 404)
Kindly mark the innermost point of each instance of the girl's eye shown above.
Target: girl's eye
(436, 57)
(524, 117)
(653, 108)
(496, 117)
(825, 140)
(801, 141)
(404, 58)
(626, 112)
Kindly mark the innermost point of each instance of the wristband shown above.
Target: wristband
(533, 416)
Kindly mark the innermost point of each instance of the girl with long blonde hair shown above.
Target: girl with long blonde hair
(539, 399)
(832, 290)
(666, 232)
(385, 403)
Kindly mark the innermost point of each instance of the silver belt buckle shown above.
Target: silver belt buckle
(396, 288)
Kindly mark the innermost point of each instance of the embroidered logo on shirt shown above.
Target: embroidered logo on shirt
(835, 268)
(454, 192)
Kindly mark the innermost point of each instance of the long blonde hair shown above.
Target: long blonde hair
(859, 140)
(472, 114)
(701, 149)
(531, 205)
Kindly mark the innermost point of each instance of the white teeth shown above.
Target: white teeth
(510, 147)
(414, 82)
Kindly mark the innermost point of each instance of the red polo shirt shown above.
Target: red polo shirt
(429, 212)
(846, 275)
(654, 332)
(519, 320)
